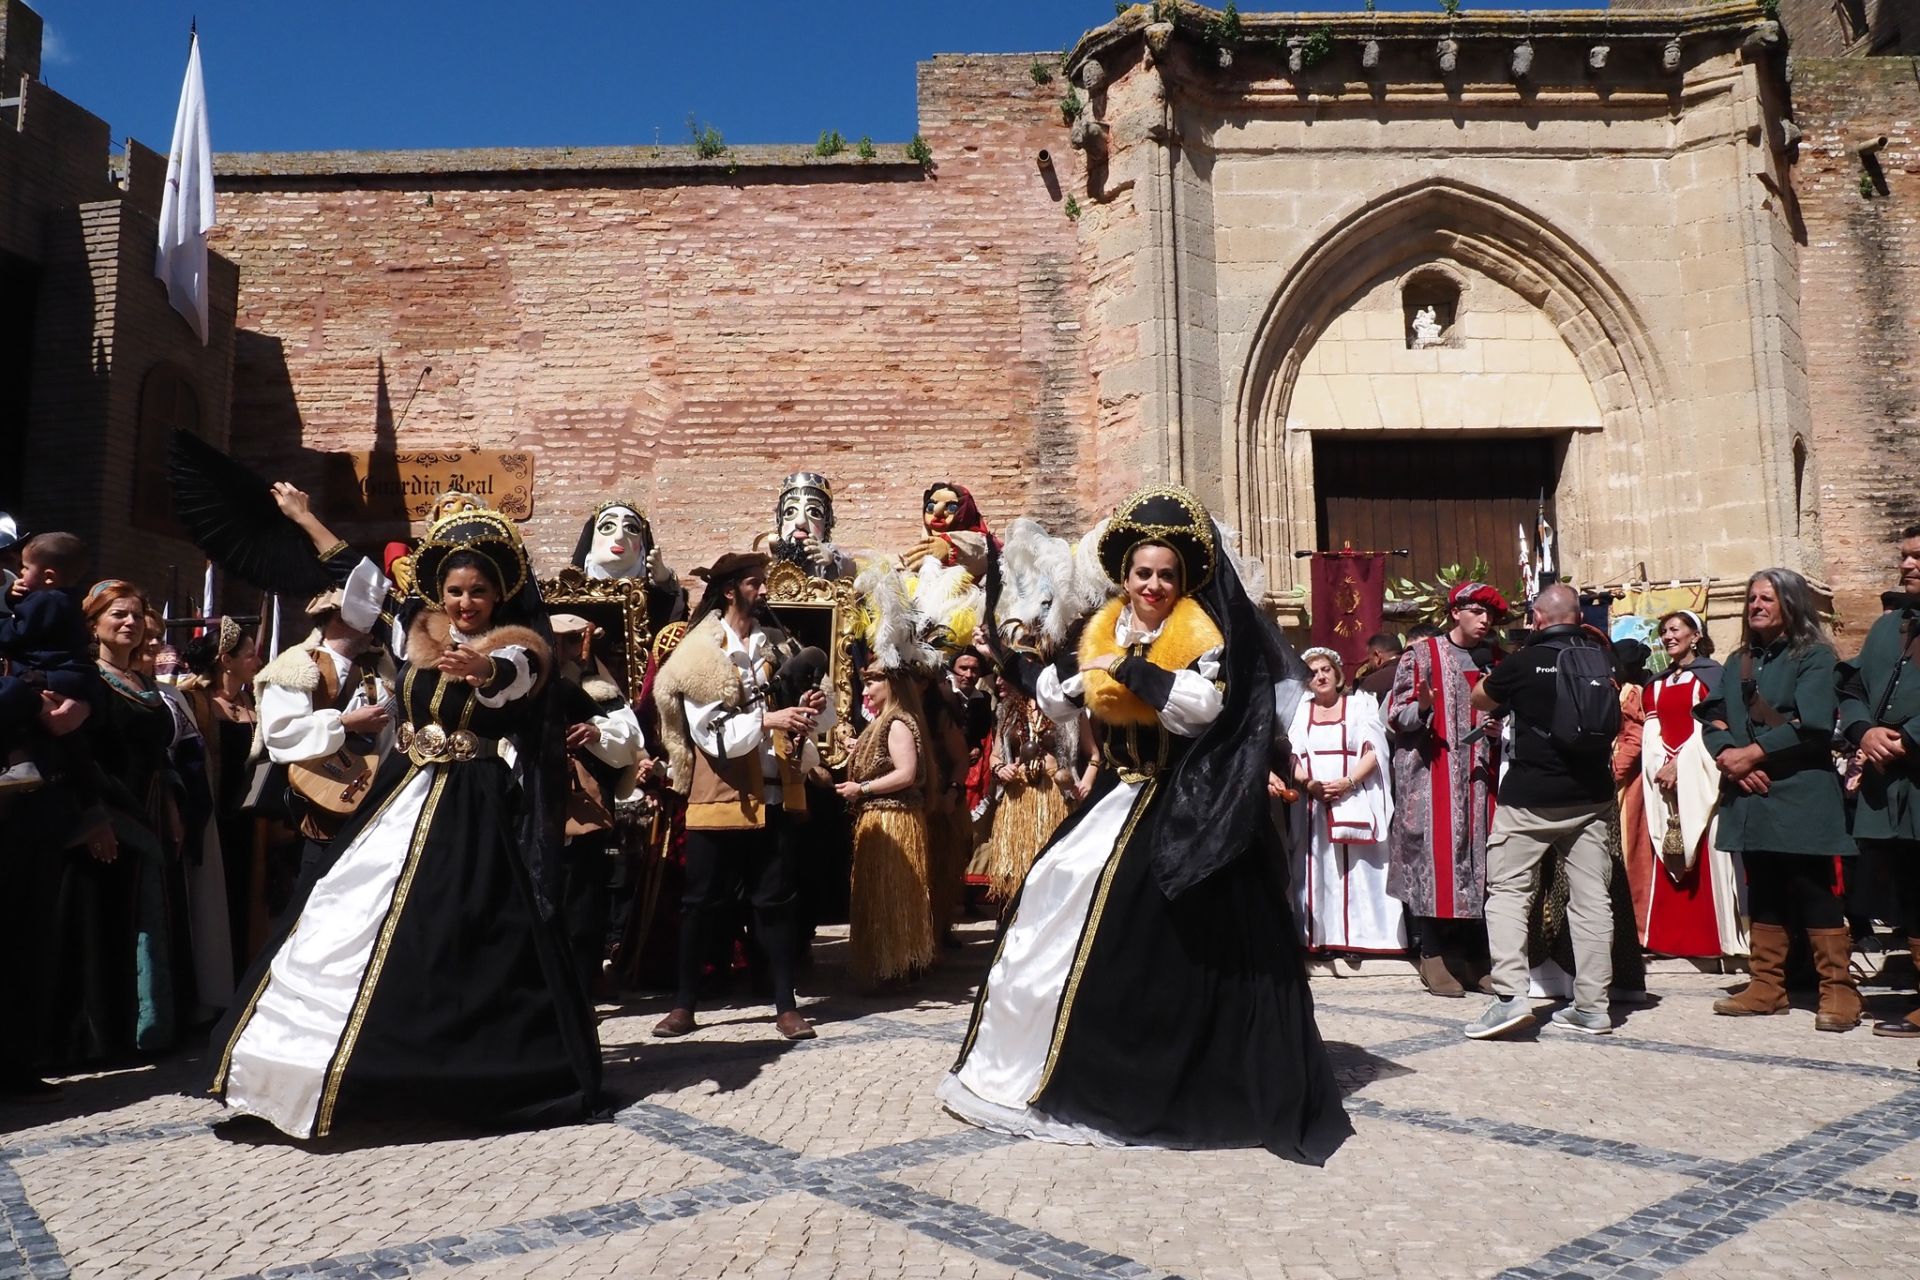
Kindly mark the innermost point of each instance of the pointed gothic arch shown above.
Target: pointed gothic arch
(1450, 221)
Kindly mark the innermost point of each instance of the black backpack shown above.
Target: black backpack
(1586, 702)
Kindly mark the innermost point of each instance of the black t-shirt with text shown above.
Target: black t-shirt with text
(1543, 775)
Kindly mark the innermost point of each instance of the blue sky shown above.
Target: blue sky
(357, 74)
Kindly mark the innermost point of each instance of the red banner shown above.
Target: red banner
(1349, 588)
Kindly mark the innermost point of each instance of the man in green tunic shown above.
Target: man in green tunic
(1880, 716)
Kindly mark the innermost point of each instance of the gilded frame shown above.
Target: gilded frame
(792, 596)
(609, 603)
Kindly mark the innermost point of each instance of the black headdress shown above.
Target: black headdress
(482, 531)
(1169, 515)
(1216, 807)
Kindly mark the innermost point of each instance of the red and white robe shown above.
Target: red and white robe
(1694, 909)
(1443, 786)
(1340, 896)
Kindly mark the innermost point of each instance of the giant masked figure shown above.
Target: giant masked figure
(956, 533)
(617, 542)
(803, 527)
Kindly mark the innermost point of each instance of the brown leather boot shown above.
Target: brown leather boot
(1767, 976)
(1438, 979)
(1839, 993)
(793, 1026)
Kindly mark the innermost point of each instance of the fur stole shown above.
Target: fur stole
(698, 670)
(1188, 633)
(294, 668)
(428, 637)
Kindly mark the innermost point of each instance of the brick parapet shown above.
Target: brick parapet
(685, 333)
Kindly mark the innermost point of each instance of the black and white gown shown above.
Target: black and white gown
(1114, 1014)
(415, 973)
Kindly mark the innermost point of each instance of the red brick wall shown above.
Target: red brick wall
(690, 336)
(1860, 312)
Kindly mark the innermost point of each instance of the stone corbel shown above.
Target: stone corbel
(1597, 58)
(1449, 54)
(1670, 55)
(1522, 64)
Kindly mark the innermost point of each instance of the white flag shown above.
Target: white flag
(186, 210)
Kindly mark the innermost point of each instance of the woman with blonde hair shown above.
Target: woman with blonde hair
(890, 932)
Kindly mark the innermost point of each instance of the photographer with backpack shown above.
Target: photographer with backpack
(1557, 793)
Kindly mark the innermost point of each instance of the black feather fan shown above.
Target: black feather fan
(230, 514)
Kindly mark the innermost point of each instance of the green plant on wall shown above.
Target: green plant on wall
(1072, 209)
(1224, 29)
(707, 140)
(919, 152)
(1041, 72)
(1867, 190)
(1316, 48)
(831, 144)
(1450, 7)
(1071, 106)
(865, 149)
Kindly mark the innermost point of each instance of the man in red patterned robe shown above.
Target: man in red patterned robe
(1444, 778)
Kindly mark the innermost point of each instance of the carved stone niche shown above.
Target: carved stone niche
(1430, 304)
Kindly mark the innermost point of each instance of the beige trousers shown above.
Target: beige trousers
(1519, 839)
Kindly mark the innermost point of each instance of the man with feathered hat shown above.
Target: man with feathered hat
(1444, 775)
(738, 761)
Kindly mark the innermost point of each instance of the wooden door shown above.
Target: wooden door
(1444, 501)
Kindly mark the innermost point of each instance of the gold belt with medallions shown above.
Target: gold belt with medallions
(431, 744)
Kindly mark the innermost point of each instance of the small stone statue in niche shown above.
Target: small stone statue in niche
(1426, 329)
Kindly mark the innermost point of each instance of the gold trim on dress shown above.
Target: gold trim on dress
(370, 978)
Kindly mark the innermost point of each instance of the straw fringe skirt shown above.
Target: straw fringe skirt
(949, 849)
(890, 932)
(1023, 822)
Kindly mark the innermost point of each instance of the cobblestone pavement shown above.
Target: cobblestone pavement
(1684, 1145)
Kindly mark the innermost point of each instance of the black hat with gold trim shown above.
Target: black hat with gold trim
(482, 531)
(1165, 514)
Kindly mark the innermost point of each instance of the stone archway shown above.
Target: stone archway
(1442, 221)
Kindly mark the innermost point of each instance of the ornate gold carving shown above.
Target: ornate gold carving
(790, 588)
(621, 598)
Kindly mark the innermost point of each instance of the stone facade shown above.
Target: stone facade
(1626, 276)
(1665, 263)
(91, 340)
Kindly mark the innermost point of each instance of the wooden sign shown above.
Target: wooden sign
(402, 486)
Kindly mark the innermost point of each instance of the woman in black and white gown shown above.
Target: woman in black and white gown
(421, 969)
(1149, 987)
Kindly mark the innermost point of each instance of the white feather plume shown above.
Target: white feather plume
(895, 628)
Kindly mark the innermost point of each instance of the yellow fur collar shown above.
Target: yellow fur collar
(1188, 633)
(430, 634)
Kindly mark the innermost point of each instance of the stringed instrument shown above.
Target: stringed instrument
(335, 784)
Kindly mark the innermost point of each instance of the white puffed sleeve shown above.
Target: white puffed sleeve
(619, 741)
(292, 730)
(725, 734)
(1194, 701)
(1060, 699)
(519, 686)
(364, 596)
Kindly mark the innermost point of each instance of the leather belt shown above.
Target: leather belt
(431, 744)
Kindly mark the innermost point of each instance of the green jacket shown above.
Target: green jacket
(1803, 810)
(1885, 806)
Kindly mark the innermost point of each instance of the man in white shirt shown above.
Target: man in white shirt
(317, 697)
(738, 762)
